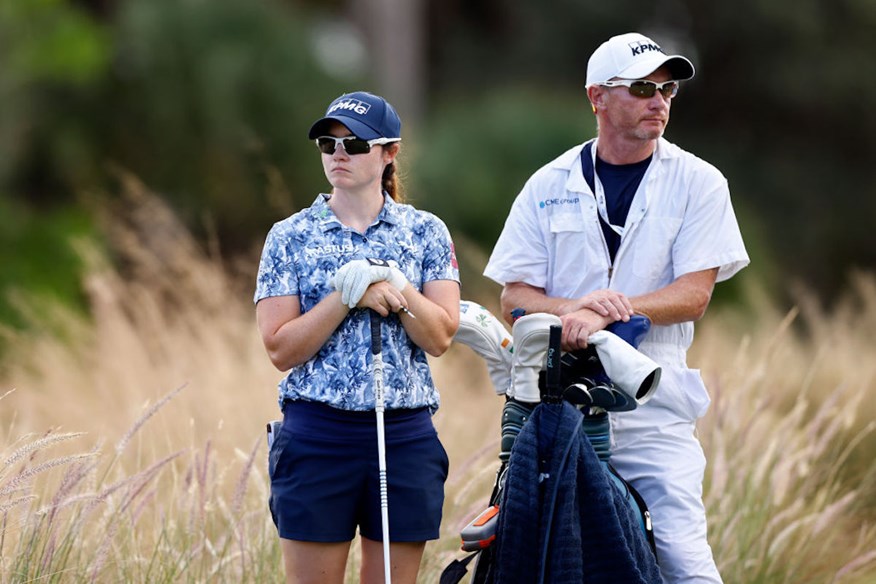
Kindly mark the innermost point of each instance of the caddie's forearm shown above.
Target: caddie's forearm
(684, 300)
(532, 300)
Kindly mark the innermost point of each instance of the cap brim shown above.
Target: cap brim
(679, 67)
(359, 129)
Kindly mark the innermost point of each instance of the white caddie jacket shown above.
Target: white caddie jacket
(681, 220)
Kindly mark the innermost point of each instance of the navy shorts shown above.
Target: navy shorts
(325, 481)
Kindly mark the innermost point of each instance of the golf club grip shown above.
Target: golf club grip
(376, 346)
(377, 358)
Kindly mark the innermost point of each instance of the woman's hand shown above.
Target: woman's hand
(383, 298)
(353, 278)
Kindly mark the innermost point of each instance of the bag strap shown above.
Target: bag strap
(456, 570)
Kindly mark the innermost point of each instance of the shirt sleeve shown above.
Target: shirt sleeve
(277, 275)
(710, 236)
(520, 253)
(439, 260)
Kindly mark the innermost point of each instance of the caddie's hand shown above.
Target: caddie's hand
(610, 303)
(579, 325)
(384, 298)
(354, 277)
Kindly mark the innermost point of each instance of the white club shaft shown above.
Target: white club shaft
(379, 406)
(384, 499)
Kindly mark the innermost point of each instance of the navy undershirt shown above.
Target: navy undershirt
(619, 183)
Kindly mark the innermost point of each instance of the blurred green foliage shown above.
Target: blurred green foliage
(38, 259)
(49, 40)
(53, 56)
(208, 103)
(213, 102)
(477, 152)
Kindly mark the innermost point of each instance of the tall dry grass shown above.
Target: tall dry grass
(790, 440)
(133, 445)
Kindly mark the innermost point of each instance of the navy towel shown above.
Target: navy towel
(594, 535)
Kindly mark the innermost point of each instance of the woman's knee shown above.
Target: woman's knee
(405, 558)
(308, 562)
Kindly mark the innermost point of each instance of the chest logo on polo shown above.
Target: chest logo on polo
(556, 202)
(329, 249)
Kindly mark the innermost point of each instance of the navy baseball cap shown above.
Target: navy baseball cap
(367, 115)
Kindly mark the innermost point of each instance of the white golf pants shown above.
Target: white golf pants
(655, 449)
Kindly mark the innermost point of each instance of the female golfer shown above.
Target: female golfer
(355, 250)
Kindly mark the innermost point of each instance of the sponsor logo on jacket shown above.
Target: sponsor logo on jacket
(555, 202)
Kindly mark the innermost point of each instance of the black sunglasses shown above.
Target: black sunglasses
(645, 88)
(351, 144)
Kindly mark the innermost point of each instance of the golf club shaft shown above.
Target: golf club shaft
(377, 362)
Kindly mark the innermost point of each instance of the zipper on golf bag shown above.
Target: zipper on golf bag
(643, 510)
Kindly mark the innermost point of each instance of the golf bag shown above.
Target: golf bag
(610, 375)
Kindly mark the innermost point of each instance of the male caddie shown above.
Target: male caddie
(625, 224)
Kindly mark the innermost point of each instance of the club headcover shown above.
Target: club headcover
(632, 372)
(487, 336)
(604, 396)
(633, 330)
(531, 334)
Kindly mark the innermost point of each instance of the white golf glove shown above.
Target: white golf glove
(355, 276)
(489, 338)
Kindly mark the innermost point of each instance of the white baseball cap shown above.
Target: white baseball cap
(633, 56)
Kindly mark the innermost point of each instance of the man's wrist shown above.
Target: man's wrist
(643, 313)
(569, 306)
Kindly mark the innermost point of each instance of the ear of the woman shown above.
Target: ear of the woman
(390, 151)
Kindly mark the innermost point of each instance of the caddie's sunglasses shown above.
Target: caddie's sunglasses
(351, 144)
(644, 88)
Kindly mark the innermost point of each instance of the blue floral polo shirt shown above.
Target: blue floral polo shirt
(301, 255)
